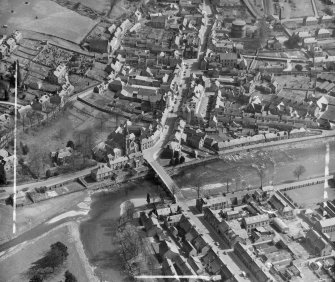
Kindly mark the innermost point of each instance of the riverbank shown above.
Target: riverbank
(98, 230)
(28, 217)
(23, 255)
(241, 170)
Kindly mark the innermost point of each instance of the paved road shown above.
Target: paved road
(10, 104)
(51, 181)
(316, 14)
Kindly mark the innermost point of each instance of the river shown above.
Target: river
(97, 231)
(242, 170)
(97, 227)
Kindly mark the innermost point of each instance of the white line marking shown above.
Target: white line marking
(15, 131)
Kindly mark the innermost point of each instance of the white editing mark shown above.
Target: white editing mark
(15, 131)
(203, 277)
(325, 194)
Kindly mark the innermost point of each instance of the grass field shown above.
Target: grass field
(51, 19)
(98, 5)
(30, 216)
(308, 197)
(298, 8)
(12, 268)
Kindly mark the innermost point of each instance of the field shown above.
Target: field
(12, 269)
(98, 5)
(308, 197)
(299, 82)
(45, 17)
(297, 8)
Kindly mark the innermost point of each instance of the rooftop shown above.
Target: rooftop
(256, 219)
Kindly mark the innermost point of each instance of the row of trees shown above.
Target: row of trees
(198, 187)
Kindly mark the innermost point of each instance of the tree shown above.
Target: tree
(48, 173)
(85, 140)
(293, 41)
(38, 157)
(329, 11)
(24, 148)
(261, 174)
(51, 261)
(298, 67)
(162, 196)
(182, 159)
(263, 33)
(131, 245)
(3, 178)
(198, 188)
(129, 210)
(69, 277)
(300, 170)
(36, 278)
(70, 144)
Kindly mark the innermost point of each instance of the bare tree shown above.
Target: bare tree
(38, 156)
(85, 141)
(300, 170)
(261, 174)
(263, 32)
(198, 188)
(227, 185)
(154, 196)
(131, 245)
(128, 213)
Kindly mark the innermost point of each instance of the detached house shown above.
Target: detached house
(322, 33)
(310, 21)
